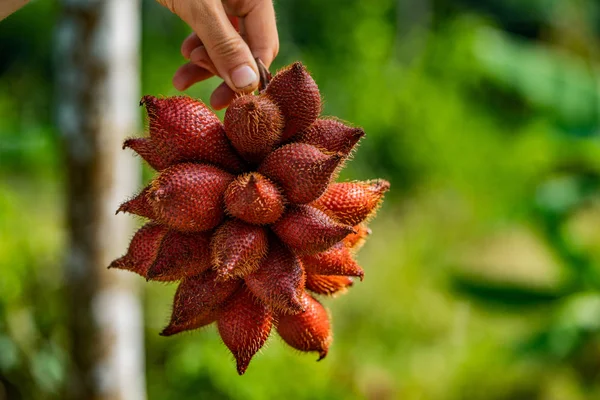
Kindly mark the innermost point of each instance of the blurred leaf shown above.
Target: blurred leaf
(564, 86)
(562, 193)
(577, 318)
(499, 294)
(9, 356)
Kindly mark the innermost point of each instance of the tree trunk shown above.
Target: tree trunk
(97, 45)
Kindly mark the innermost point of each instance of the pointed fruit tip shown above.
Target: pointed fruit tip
(223, 276)
(358, 133)
(297, 66)
(118, 263)
(381, 186)
(250, 106)
(242, 366)
(297, 307)
(322, 355)
(151, 274)
(252, 179)
(157, 194)
(293, 306)
(147, 99)
(168, 331)
(171, 329)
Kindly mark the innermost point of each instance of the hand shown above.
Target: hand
(8, 7)
(227, 36)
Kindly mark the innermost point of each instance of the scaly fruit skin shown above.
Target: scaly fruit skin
(254, 125)
(328, 284)
(254, 199)
(279, 281)
(297, 96)
(331, 135)
(189, 197)
(352, 202)
(180, 255)
(356, 240)
(308, 230)
(143, 249)
(199, 298)
(308, 330)
(139, 205)
(244, 215)
(237, 248)
(183, 129)
(244, 325)
(337, 260)
(312, 168)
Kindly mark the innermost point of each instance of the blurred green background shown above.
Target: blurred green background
(483, 270)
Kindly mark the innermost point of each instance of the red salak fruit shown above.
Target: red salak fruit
(331, 135)
(355, 241)
(328, 284)
(237, 248)
(297, 96)
(254, 199)
(352, 202)
(254, 125)
(245, 216)
(308, 330)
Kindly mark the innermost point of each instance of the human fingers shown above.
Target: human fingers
(257, 26)
(226, 48)
(189, 44)
(222, 96)
(188, 74)
(200, 57)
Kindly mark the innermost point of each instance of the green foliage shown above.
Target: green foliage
(482, 274)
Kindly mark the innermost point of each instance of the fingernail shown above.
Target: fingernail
(243, 77)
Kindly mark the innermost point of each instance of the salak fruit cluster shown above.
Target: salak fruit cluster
(245, 214)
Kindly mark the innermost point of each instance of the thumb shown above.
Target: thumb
(228, 51)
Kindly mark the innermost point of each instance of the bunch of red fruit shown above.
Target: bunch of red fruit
(245, 214)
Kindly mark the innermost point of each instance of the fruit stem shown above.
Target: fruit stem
(265, 75)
